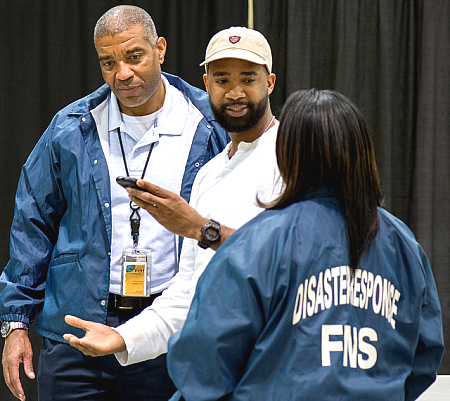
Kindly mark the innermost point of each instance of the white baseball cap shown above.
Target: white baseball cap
(242, 43)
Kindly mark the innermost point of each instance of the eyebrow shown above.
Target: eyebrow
(134, 50)
(104, 58)
(244, 73)
(128, 53)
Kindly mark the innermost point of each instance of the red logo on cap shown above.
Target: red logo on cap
(234, 39)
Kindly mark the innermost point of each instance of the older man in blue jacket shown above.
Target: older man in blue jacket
(72, 221)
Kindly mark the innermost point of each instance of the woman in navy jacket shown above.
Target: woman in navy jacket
(325, 295)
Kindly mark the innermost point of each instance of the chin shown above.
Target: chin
(127, 102)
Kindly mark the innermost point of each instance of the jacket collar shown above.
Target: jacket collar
(324, 191)
(198, 97)
(87, 103)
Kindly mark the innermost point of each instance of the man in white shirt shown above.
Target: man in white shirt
(225, 194)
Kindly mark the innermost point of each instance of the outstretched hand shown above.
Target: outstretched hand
(169, 209)
(99, 339)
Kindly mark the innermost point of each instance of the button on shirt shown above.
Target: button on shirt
(165, 168)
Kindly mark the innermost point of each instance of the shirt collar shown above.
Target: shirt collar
(175, 127)
(115, 118)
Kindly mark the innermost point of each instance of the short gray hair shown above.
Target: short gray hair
(121, 18)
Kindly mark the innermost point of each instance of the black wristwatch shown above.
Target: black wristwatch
(210, 234)
(8, 327)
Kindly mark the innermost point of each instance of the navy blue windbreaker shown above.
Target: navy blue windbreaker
(61, 232)
(276, 315)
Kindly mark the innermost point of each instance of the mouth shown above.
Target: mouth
(128, 90)
(237, 110)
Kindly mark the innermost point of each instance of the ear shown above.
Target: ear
(161, 47)
(205, 81)
(271, 78)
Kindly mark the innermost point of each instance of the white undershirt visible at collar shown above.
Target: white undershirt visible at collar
(139, 125)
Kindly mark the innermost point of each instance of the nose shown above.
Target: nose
(235, 93)
(124, 71)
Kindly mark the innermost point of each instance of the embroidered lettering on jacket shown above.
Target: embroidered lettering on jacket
(364, 290)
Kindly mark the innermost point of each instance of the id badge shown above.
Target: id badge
(136, 271)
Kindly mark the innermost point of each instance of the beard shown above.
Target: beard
(240, 124)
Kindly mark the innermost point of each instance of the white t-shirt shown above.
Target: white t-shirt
(225, 190)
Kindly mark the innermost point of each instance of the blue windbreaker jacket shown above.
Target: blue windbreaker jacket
(276, 316)
(61, 232)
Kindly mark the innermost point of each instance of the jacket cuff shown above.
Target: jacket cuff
(15, 317)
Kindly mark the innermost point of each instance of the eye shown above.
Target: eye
(221, 81)
(134, 58)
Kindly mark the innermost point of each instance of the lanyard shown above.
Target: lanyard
(135, 217)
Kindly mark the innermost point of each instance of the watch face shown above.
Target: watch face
(5, 328)
(211, 233)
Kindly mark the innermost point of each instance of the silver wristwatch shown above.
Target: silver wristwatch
(8, 327)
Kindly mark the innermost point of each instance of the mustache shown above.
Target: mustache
(238, 103)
